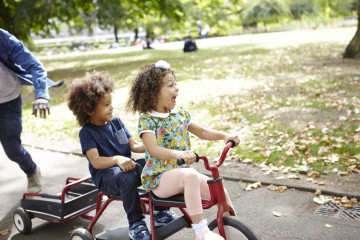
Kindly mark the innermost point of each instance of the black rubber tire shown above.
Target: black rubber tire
(81, 234)
(22, 221)
(234, 229)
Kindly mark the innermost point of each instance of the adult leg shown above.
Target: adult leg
(10, 131)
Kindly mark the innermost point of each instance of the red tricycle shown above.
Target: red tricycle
(227, 226)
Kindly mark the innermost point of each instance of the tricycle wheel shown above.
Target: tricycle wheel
(81, 234)
(22, 221)
(234, 229)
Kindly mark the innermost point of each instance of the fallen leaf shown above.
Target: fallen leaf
(328, 225)
(4, 232)
(318, 192)
(321, 183)
(253, 186)
(277, 214)
(345, 199)
(293, 176)
(277, 188)
(247, 160)
(242, 185)
(322, 199)
(347, 206)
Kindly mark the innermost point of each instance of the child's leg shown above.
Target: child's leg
(194, 186)
(205, 192)
(182, 180)
(116, 182)
(191, 183)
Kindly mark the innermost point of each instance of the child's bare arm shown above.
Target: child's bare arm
(135, 146)
(159, 152)
(99, 162)
(211, 134)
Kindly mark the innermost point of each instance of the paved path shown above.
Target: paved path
(298, 220)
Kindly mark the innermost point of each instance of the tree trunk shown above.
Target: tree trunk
(116, 32)
(353, 49)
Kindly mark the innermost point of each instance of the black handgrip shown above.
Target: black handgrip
(181, 161)
(232, 142)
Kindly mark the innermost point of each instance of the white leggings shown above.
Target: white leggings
(189, 182)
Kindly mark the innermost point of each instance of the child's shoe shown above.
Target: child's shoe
(209, 235)
(164, 217)
(139, 231)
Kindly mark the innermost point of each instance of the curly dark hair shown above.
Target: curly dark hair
(143, 96)
(84, 94)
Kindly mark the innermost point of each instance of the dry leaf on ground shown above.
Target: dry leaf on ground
(322, 199)
(253, 186)
(277, 214)
(277, 188)
(4, 232)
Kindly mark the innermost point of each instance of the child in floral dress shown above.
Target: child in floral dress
(164, 129)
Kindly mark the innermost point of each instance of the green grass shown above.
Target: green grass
(305, 96)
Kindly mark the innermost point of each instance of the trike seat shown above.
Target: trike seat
(176, 200)
(142, 193)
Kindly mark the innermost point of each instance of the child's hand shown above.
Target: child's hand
(188, 156)
(235, 138)
(126, 164)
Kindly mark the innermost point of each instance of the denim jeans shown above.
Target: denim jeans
(116, 182)
(10, 130)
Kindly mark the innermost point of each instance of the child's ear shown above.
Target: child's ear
(91, 113)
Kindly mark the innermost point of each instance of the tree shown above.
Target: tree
(353, 49)
(23, 17)
(265, 11)
(132, 14)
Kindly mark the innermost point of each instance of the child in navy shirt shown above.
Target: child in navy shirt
(107, 144)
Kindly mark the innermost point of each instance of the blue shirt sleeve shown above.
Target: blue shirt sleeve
(23, 59)
(86, 140)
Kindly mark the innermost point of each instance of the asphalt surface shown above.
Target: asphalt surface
(255, 207)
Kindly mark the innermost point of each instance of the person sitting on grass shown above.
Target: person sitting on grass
(190, 45)
(107, 144)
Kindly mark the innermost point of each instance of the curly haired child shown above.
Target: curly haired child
(107, 144)
(164, 130)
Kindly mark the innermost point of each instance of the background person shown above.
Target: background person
(190, 45)
(19, 67)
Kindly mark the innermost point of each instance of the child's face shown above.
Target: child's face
(103, 111)
(168, 94)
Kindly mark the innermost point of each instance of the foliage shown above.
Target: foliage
(265, 11)
(25, 17)
(299, 8)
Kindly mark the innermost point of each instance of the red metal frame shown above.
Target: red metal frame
(217, 196)
(70, 182)
(216, 191)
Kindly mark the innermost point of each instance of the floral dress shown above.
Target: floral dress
(171, 131)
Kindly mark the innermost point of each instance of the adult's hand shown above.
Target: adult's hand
(41, 105)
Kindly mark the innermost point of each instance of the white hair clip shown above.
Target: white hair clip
(162, 64)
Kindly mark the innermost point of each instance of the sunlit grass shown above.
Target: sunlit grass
(293, 95)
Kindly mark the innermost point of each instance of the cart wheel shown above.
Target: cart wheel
(81, 234)
(22, 221)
